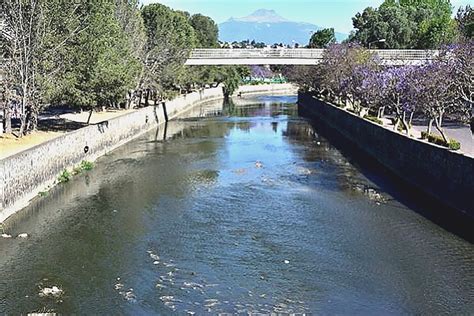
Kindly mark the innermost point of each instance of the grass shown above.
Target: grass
(66, 175)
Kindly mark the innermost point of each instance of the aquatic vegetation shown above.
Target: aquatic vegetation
(64, 176)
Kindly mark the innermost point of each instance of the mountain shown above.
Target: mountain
(268, 27)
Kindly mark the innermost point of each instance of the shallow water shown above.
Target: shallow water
(251, 211)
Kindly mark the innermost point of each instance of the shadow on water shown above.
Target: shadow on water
(422, 203)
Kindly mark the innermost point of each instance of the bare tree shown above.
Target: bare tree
(31, 45)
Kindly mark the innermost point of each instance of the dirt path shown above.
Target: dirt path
(96, 117)
(52, 127)
(10, 144)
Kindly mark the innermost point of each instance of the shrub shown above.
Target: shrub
(373, 119)
(454, 144)
(64, 176)
(86, 165)
(438, 140)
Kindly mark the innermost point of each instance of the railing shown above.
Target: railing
(242, 53)
(303, 53)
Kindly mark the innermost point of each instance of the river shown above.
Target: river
(241, 208)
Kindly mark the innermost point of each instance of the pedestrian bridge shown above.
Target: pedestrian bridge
(297, 56)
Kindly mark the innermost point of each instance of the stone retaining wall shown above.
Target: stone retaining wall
(24, 175)
(446, 175)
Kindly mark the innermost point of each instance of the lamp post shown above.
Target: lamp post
(382, 40)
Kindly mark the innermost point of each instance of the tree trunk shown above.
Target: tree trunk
(405, 124)
(22, 125)
(441, 131)
(90, 114)
(380, 112)
(430, 127)
(7, 118)
(411, 119)
(395, 126)
(147, 97)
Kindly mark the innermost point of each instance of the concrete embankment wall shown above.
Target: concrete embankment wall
(448, 176)
(24, 175)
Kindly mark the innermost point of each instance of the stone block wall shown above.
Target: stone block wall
(446, 175)
(24, 175)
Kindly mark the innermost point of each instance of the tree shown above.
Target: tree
(338, 63)
(102, 63)
(420, 24)
(322, 38)
(170, 38)
(465, 21)
(463, 76)
(37, 32)
(206, 30)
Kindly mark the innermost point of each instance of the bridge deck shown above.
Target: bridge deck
(298, 56)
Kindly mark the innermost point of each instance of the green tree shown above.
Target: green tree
(207, 32)
(102, 62)
(170, 38)
(322, 38)
(406, 24)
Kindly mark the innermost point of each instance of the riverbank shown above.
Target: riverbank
(443, 174)
(26, 174)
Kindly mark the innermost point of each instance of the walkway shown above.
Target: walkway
(296, 56)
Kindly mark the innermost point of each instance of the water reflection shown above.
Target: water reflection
(251, 211)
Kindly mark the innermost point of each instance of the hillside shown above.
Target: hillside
(268, 27)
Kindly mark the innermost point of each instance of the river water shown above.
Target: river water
(244, 212)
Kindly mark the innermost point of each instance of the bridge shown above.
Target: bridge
(297, 56)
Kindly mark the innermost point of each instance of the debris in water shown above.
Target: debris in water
(6, 236)
(154, 257)
(129, 296)
(193, 285)
(156, 262)
(286, 261)
(258, 164)
(23, 235)
(119, 286)
(51, 291)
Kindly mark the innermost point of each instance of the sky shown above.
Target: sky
(325, 13)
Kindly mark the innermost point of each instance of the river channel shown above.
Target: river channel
(240, 208)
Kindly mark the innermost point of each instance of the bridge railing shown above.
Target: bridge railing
(303, 53)
(242, 53)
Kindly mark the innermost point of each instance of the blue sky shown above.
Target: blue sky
(326, 13)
